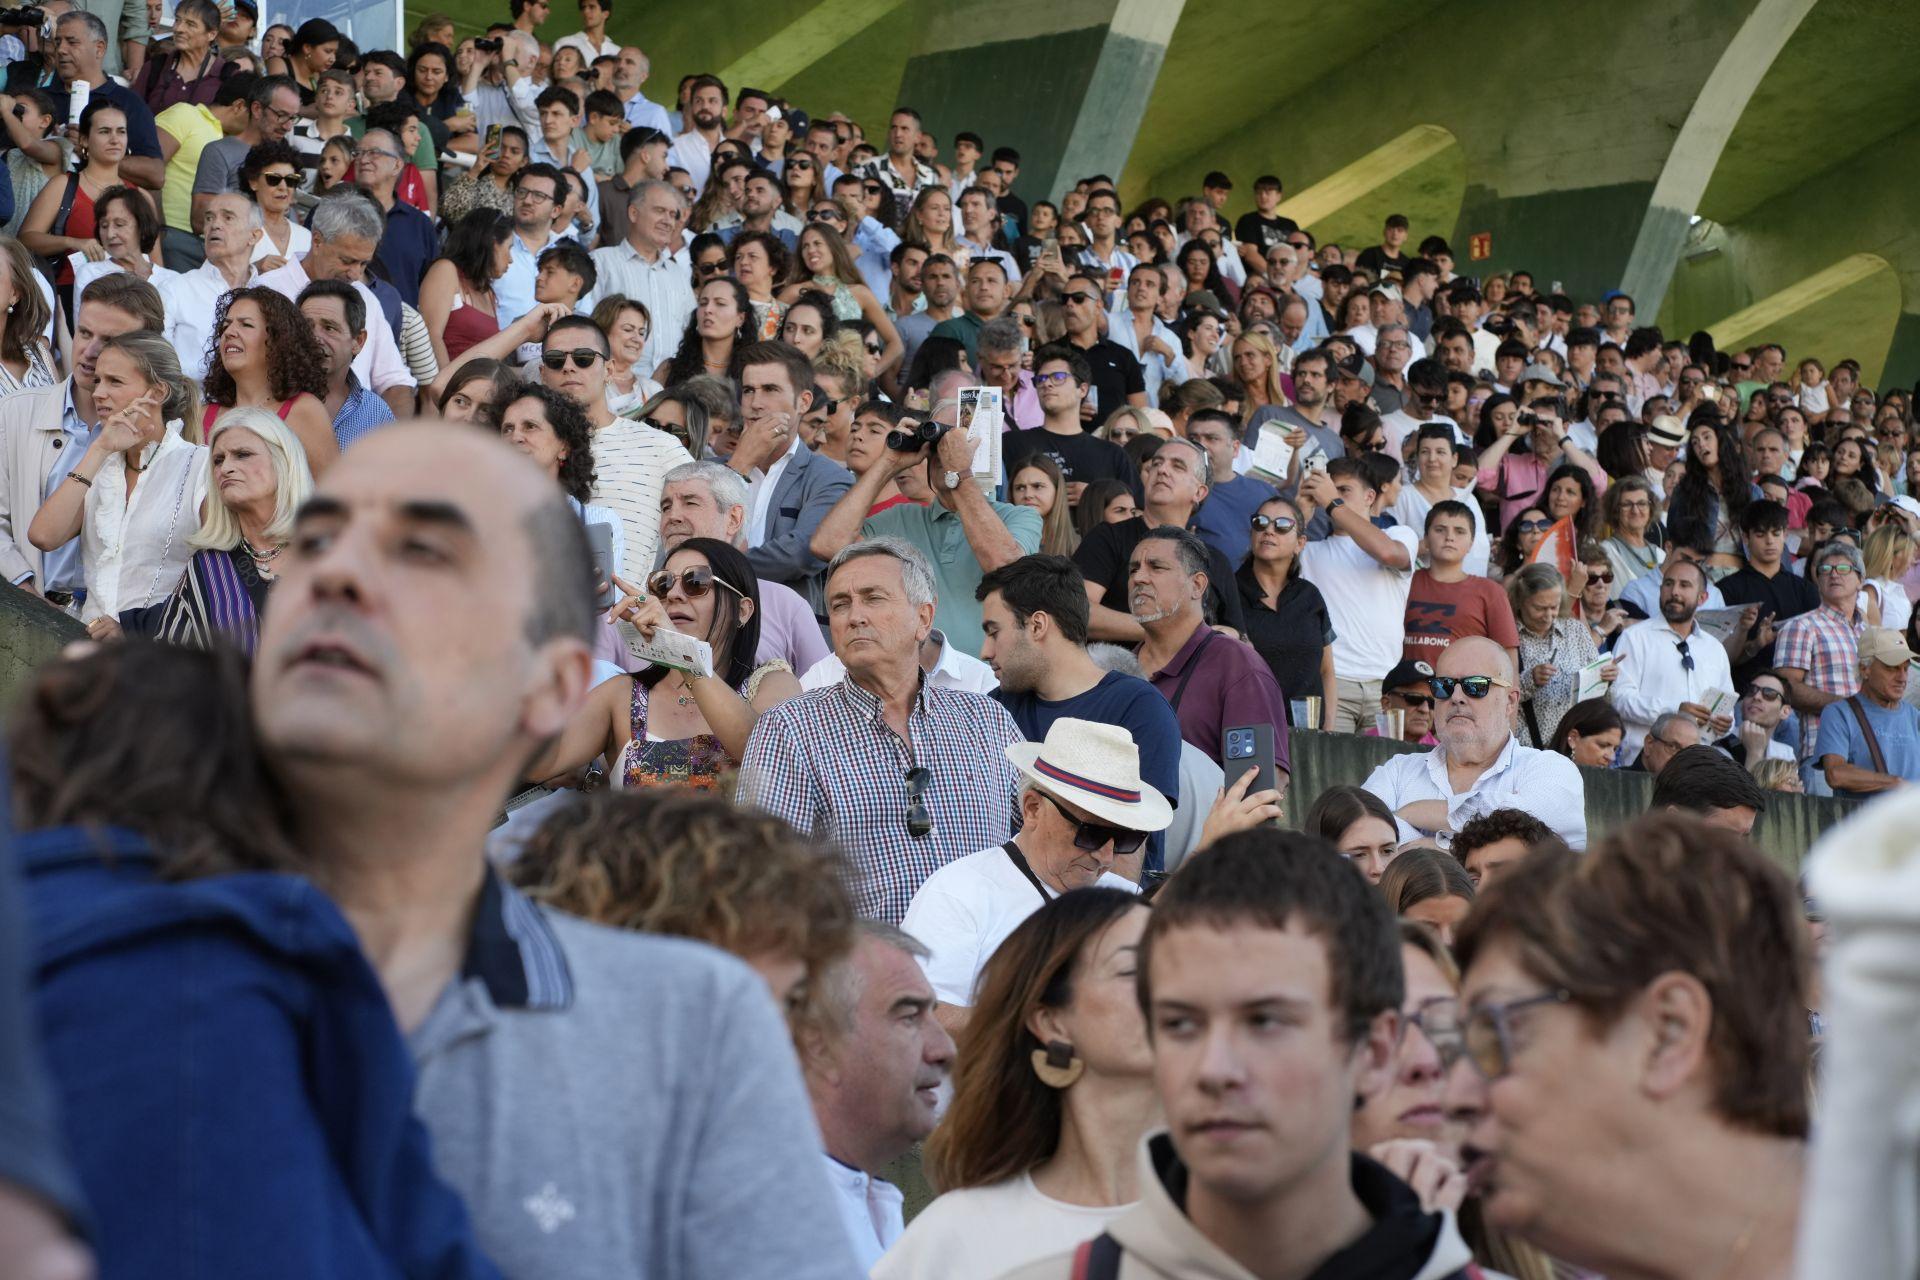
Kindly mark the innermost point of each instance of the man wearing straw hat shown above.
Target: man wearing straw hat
(1081, 802)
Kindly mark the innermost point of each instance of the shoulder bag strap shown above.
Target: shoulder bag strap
(1873, 739)
(1180, 690)
(1019, 860)
(1097, 1259)
(59, 227)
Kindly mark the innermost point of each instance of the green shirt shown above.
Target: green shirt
(939, 534)
(963, 328)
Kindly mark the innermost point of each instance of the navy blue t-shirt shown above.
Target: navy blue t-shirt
(1134, 705)
(407, 248)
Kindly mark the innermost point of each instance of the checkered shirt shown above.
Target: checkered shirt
(829, 765)
(1826, 645)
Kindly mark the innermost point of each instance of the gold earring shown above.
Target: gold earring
(1057, 1066)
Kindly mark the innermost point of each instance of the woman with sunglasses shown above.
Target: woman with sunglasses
(1287, 620)
(829, 267)
(1523, 536)
(1597, 588)
(270, 175)
(671, 728)
(801, 179)
(721, 324)
(1553, 651)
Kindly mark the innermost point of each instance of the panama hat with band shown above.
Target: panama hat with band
(1096, 769)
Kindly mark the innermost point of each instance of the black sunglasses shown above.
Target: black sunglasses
(919, 821)
(1472, 686)
(1414, 700)
(583, 357)
(1279, 524)
(1534, 526)
(1089, 836)
(280, 179)
(826, 215)
(694, 582)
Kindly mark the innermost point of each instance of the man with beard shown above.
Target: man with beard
(1668, 664)
(1480, 765)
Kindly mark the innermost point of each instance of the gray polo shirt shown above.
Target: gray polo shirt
(617, 1104)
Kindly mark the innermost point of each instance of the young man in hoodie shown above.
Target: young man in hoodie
(1271, 983)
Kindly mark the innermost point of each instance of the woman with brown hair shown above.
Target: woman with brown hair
(264, 355)
(1429, 888)
(692, 866)
(1052, 1093)
(1039, 483)
(25, 360)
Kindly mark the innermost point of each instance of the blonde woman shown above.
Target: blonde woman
(1128, 421)
(1256, 368)
(134, 497)
(1889, 554)
(25, 359)
(257, 478)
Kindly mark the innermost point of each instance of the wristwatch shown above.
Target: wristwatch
(1337, 502)
(951, 479)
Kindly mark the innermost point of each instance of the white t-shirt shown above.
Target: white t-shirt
(990, 1231)
(966, 909)
(1366, 601)
(1411, 508)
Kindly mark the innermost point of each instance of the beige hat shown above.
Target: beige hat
(1667, 430)
(1885, 646)
(1095, 768)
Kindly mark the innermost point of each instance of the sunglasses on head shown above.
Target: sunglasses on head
(1089, 836)
(1472, 686)
(582, 357)
(694, 582)
(1279, 524)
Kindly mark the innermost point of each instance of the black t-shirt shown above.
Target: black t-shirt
(1785, 595)
(1291, 636)
(1376, 260)
(1116, 375)
(1014, 207)
(1082, 457)
(1261, 232)
(1103, 556)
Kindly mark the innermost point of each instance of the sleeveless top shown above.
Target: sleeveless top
(466, 325)
(695, 762)
(81, 225)
(215, 410)
(845, 305)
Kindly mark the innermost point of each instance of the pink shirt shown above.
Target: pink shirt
(1521, 482)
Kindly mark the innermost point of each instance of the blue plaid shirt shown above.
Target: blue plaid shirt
(828, 764)
(362, 412)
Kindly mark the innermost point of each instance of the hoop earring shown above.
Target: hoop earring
(1057, 1066)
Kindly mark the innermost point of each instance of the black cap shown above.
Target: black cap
(1408, 672)
(248, 7)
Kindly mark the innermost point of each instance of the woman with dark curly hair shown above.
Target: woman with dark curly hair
(553, 431)
(759, 262)
(722, 324)
(264, 354)
(269, 176)
(692, 866)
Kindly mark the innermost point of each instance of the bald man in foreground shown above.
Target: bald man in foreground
(609, 1104)
(1479, 766)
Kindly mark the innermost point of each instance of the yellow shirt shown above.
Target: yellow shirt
(193, 127)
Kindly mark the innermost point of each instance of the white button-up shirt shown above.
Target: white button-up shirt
(191, 298)
(1156, 369)
(135, 546)
(1542, 783)
(1654, 680)
(760, 487)
(664, 286)
(691, 151)
(872, 1210)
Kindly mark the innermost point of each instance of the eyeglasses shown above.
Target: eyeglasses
(1054, 378)
(1279, 524)
(280, 179)
(694, 583)
(284, 117)
(1534, 526)
(1488, 1032)
(1089, 836)
(1440, 1022)
(919, 821)
(1833, 570)
(1472, 686)
(363, 154)
(1026, 322)
(528, 193)
(583, 358)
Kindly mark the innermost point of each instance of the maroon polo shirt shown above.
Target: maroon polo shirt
(1230, 685)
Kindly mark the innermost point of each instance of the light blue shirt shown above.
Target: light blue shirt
(513, 292)
(1897, 729)
(60, 568)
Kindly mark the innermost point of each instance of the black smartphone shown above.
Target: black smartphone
(1250, 748)
(600, 539)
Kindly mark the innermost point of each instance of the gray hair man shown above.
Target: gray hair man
(644, 268)
(874, 1056)
(1669, 735)
(231, 225)
(1482, 766)
(903, 772)
(1001, 347)
(709, 500)
(346, 233)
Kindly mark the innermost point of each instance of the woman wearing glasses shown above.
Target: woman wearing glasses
(1553, 651)
(672, 728)
(1636, 1029)
(270, 175)
(1287, 619)
(1633, 523)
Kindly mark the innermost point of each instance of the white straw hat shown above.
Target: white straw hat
(1095, 768)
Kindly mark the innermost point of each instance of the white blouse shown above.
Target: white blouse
(299, 240)
(135, 547)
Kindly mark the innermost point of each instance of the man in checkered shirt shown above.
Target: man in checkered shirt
(903, 775)
(1818, 652)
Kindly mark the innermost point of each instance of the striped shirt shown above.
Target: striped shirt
(1826, 645)
(664, 288)
(828, 764)
(630, 464)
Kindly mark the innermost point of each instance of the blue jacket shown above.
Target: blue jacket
(233, 1087)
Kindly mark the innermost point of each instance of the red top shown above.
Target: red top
(466, 325)
(80, 225)
(215, 410)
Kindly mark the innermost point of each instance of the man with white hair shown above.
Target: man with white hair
(709, 500)
(230, 226)
(902, 774)
(1479, 765)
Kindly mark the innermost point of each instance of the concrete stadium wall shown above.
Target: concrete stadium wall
(31, 631)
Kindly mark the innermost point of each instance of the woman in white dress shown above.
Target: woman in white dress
(134, 497)
(1052, 1093)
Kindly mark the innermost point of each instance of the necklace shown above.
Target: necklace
(260, 557)
(685, 696)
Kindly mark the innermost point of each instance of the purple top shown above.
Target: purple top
(1230, 685)
(788, 628)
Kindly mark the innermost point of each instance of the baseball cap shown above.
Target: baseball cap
(1541, 373)
(1355, 366)
(1668, 431)
(1906, 506)
(1408, 672)
(1386, 289)
(1885, 646)
(1203, 300)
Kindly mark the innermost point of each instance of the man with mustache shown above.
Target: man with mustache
(607, 1103)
